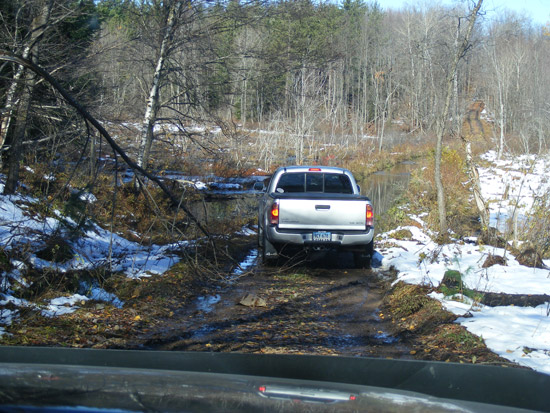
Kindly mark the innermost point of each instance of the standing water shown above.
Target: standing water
(383, 188)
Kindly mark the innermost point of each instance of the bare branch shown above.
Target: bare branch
(86, 115)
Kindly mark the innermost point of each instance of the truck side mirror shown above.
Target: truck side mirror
(259, 186)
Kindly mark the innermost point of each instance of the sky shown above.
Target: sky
(537, 10)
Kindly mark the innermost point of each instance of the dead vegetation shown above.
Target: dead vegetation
(430, 331)
(413, 311)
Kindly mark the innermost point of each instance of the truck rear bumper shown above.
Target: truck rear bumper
(345, 239)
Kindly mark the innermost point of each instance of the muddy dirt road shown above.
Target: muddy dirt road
(319, 307)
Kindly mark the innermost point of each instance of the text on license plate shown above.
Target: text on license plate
(322, 236)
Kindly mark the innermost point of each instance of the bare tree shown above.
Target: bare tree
(88, 117)
(507, 52)
(19, 93)
(172, 14)
(462, 47)
(44, 19)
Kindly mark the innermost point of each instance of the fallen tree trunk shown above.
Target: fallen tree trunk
(518, 300)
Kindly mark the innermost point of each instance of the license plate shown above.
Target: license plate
(322, 236)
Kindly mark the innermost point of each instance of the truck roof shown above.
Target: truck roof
(313, 168)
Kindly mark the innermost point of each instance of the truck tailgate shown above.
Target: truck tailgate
(322, 214)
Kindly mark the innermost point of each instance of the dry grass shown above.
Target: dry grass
(422, 197)
(430, 331)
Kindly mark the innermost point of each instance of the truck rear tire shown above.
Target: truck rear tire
(269, 252)
(363, 259)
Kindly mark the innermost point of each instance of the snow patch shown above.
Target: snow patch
(519, 334)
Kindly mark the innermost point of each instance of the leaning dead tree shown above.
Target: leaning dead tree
(473, 129)
(88, 117)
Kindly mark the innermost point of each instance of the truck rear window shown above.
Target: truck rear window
(314, 182)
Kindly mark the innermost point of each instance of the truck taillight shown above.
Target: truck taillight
(369, 216)
(274, 216)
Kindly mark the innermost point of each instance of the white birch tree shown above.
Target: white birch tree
(172, 13)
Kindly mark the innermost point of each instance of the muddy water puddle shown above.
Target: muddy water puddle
(305, 310)
(206, 303)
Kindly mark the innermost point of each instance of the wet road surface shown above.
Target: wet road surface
(319, 307)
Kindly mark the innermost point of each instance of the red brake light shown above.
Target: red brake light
(261, 388)
(274, 218)
(352, 397)
(369, 221)
(314, 169)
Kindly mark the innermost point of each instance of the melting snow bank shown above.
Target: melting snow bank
(25, 233)
(55, 307)
(422, 261)
(519, 334)
(19, 229)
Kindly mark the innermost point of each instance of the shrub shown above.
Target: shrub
(461, 215)
(452, 285)
(56, 250)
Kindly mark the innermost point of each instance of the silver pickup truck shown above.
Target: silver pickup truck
(315, 208)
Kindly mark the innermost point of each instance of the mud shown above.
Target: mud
(320, 307)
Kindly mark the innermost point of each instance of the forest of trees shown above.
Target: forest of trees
(308, 72)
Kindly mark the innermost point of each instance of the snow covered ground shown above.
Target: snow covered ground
(520, 334)
(27, 233)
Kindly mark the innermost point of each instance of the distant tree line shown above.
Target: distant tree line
(321, 70)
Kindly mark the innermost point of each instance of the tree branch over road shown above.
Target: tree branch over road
(86, 115)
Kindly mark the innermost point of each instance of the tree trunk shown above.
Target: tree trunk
(459, 53)
(11, 102)
(15, 153)
(38, 27)
(441, 205)
(502, 122)
(152, 108)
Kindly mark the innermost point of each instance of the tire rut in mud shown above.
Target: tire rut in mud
(309, 309)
